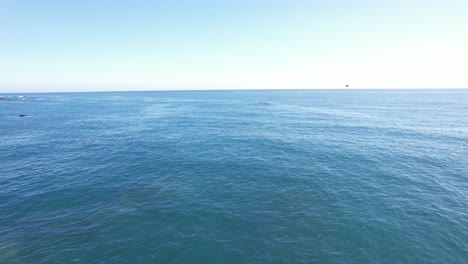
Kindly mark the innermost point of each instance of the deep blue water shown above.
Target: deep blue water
(317, 176)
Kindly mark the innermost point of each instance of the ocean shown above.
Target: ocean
(315, 176)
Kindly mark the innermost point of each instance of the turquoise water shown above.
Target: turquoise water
(317, 176)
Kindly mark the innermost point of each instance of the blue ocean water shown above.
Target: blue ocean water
(316, 176)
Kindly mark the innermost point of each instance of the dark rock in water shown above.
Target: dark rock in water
(23, 115)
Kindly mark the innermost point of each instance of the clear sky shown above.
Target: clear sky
(59, 45)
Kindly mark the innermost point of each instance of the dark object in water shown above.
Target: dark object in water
(23, 115)
(264, 103)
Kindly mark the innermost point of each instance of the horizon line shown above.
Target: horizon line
(237, 89)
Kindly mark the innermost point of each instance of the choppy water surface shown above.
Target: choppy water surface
(213, 177)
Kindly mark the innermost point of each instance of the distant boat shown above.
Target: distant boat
(264, 103)
(347, 86)
(23, 115)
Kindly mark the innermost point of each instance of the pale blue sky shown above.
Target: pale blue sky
(58, 45)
